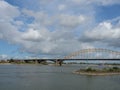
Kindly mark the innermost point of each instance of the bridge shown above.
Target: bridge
(94, 53)
(84, 54)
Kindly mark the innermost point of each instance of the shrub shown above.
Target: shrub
(115, 68)
(110, 69)
(90, 69)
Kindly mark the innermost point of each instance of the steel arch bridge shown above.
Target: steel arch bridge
(94, 53)
(84, 54)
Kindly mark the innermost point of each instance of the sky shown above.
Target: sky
(55, 28)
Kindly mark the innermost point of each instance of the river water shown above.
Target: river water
(40, 77)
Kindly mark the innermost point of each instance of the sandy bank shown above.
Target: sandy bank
(97, 73)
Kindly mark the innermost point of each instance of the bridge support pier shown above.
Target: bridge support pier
(58, 62)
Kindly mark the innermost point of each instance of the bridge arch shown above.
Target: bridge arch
(94, 53)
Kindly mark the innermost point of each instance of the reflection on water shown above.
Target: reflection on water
(37, 77)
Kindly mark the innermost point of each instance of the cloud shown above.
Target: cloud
(56, 42)
(62, 7)
(107, 32)
(31, 35)
(55, 29)
(96, 2)
(40, 39)
(3, 57)
(71, 20)
(41, 18)
(7, 11)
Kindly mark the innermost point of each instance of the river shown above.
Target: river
(48, 77)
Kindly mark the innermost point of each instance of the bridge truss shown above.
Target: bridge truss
(94, 53)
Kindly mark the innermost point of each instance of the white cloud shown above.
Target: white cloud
(96, 2)
(3, 57)
(58, 20)
(62, 7)
(41, 40)
(108, 2)
(71, 20)
(31, 35)
(8, 12)
(54, 32)
(7, 29)
(105, 32)
(41, 17)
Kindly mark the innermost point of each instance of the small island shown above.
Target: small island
(104, 71)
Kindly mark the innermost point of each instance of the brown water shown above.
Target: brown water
(37, 77)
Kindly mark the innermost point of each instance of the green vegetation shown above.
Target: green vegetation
(115, 68)
(89, 69)
(104, 70)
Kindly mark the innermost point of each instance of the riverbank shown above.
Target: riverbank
(97, 74)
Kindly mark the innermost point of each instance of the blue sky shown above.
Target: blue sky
(107, 12)
(51, 28)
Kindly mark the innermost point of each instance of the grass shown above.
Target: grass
(104, 70)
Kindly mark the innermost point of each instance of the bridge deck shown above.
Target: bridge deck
(75, 59)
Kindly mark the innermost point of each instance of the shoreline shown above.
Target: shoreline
(97, 73)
